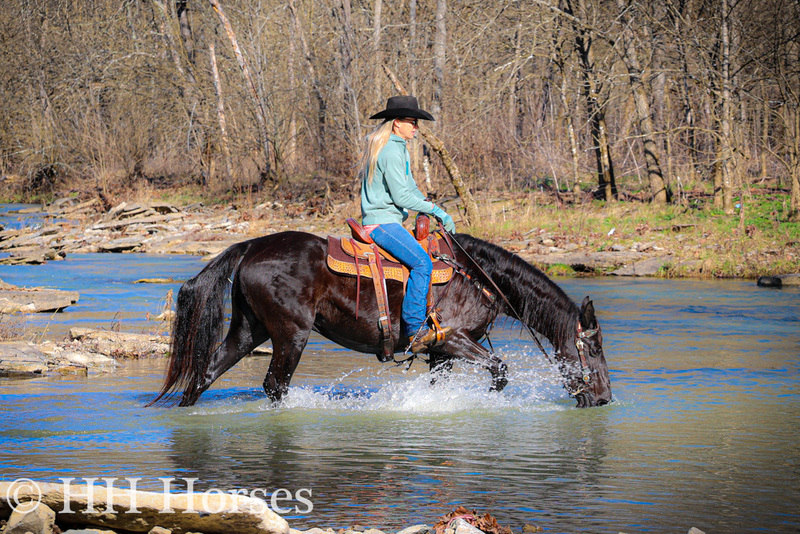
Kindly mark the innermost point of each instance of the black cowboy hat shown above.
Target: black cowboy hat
(401, 107)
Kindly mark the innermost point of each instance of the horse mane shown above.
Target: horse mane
(540, 302)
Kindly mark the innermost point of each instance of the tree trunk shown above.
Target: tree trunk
(223, 125)
(352, 118)
(185, 29)
(515, 117)
(573, 141)
(717, 171)
(726, 154)
(377, 57)
(793, 131)
(260, 112)
(412, 44)
(658, 193)
(298, 33)
(676, 16)
(607, 182)
(184, 69)
(439, 46)
(591, 90)
(559, 56)
(764, 131)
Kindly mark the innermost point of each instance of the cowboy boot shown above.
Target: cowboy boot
(428, 338)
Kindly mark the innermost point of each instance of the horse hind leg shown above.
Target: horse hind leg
(286, 354)
(244, 335)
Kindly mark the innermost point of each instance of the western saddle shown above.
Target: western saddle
(359, 256)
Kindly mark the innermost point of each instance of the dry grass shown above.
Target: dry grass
(13, 327)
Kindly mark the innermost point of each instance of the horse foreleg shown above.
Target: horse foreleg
(461, 345)
(440, 366)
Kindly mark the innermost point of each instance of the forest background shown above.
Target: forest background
(671, 108)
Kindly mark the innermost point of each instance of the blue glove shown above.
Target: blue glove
(442, 215)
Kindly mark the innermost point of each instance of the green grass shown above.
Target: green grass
(706, 241)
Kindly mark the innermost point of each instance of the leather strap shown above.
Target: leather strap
(384, 320)
(358, 284)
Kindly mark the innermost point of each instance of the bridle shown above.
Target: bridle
(581, 333)
(581, 346)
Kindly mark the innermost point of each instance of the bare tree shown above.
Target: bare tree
(628, 50)
(592, 89)
(258, 103)
(725, 193)
(439, 57)
(297, 33)
(527, 92)
(347, 79)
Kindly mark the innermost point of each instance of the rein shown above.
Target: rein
(449, 240)
(581, 334)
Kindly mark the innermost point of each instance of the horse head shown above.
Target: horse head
(582, 362)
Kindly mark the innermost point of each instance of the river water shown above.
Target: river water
(703, 431)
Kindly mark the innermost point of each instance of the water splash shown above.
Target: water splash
(534, 385)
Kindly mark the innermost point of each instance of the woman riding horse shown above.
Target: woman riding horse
(388, 191)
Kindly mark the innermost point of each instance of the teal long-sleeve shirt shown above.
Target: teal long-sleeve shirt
(392, 191)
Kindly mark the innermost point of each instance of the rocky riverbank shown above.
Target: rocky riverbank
(28, 506)
(163, 228)
(84, 352)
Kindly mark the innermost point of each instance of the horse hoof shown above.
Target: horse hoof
(498, 384)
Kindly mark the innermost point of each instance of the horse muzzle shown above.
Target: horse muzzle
(586, 399)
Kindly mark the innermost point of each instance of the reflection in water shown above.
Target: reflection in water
(703, 431)
(391, 468)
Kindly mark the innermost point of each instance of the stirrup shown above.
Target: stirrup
(433, 337)
(440, 333)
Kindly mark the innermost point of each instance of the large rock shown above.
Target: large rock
(647, 267)
(35, 300)
(119, 224)
(781, 280)
(32, 256)
(21, 360)
(587, 261)
(123, 244)
(790, 279)
(121, 345)
(140, 511)
(460, 526)
(66, 360)
(39, 520)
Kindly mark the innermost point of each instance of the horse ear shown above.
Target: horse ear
(588, 320)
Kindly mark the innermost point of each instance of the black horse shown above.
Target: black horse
(282, 289)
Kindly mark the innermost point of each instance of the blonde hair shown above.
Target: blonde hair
(373, 145)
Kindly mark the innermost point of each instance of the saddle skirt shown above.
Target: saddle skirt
(349, 257)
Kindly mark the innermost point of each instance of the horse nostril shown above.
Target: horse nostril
(601, 402)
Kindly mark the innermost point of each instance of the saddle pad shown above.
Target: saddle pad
(341, 262)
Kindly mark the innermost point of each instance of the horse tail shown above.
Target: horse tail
(197, 327)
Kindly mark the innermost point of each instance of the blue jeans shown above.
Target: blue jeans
(401, 244)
